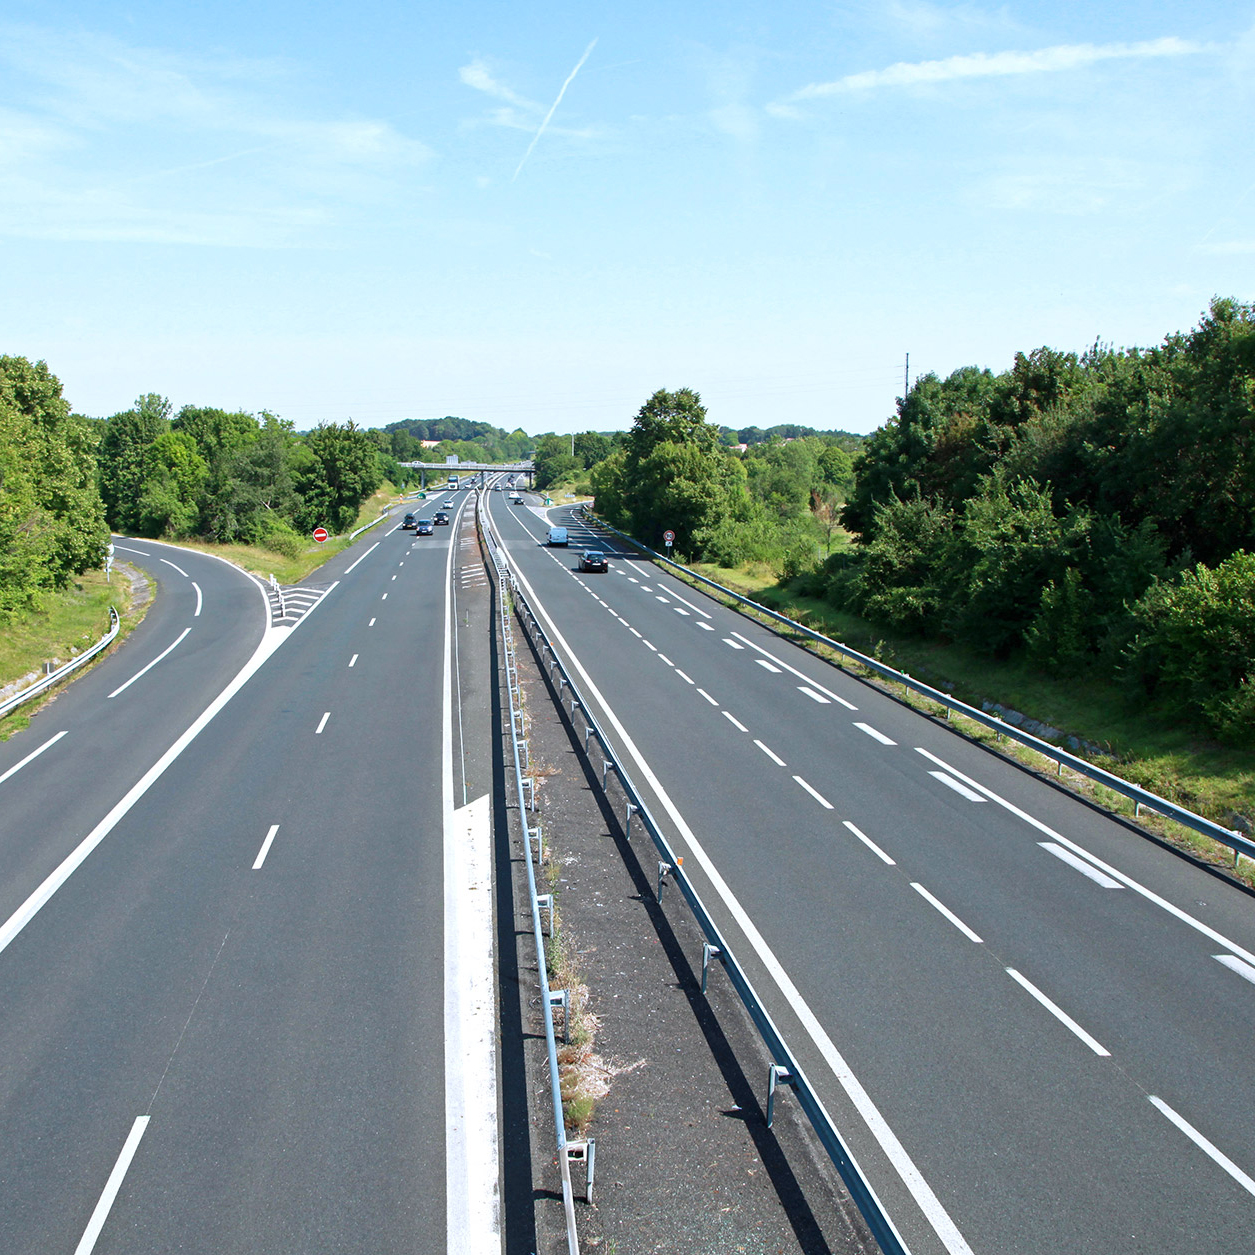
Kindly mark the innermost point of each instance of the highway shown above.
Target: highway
(225, 1025)
(1032, 1026)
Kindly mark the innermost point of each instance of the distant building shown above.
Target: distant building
(429, 444)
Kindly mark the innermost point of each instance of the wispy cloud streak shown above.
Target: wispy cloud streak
(553, 108)
(989, 65)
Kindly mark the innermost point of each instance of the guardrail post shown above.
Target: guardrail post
(587, 1151)
(539, 833)
(664, 870)
(606, 764)
(544, 902)
(776, 1075)
(708, 952)
(529, 783)
(632, 809)
(562, 998)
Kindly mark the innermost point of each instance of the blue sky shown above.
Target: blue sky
(536, 215)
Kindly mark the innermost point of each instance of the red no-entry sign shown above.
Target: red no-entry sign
(320, 534)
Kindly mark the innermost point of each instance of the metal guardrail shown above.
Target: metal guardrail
(784, 1069)
(1236, 841)
(368, 526)
(549, 998)
(60, 673)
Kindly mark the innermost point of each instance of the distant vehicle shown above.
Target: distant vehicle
(496, 487)
(515, 499)
(593, 560)
(407, 523)
(424, 527)
(557, 536)
(442, 518)
(448, 505)
(453, 481)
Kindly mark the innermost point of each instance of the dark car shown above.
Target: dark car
(442, 517)
(407, 523)
(424, 527)
(593, 560)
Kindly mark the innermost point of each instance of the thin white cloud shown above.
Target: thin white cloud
(554, 107)
(477, 75)
(979, 65)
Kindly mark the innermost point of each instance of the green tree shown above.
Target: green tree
(174, 479)
(341, 472)
(121, 458)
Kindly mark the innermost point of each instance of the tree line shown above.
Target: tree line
(1093, 513)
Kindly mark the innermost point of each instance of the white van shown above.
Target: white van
(557, 536)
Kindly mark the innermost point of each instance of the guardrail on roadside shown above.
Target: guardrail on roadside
(585, 1150)
(1235, 840)
(784, 1068)
(60, 673)
(368, 526)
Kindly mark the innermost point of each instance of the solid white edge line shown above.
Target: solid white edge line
(1209, 1148)
(472, 1169)
(736, 723)
(869, 843)
(801, 675)
(199, 600)
(1148, 894)
(925, 1198)
(265, 847)
(178, 568)
(1062, 1016)
(104, 1204)
(1234, 964)
(875, 733)
(947, 912)
(366, 555)
(322, 723)
(775, 758)
(150, 666)
(819, 797)
(957, 785)
(12, 771)
(1080, 865)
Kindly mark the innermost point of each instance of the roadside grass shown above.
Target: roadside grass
(69, 623)
(1147, 746)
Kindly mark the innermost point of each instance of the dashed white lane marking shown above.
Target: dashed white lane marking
(1244, 970)
(665, 601)
(322, 723)
(199, 600)
(870, 844)
(685, 602)
(775, 758)
(708, 697)
(265, 847)
(947, 912)
(801, 675)
(666, 660)
(649, 646)
(680, 610)
(874, 734)
(366, 555)
(633, 579)
(1066, 1020)
(957, 785)
(815, 697)
(353, 660)
(683, 676)
(384, 597)
(87, 1242)
(735, 722)
(636, 633)
(767, 666)
(33, 754)
(143, 553)
(645, 588)
(727, 640)
(394, 577)
(178, 568)
(1204, 1145)
(371, 623)
(1162, 903)
(705, 627)
(1086, 869)
(819, 797)
(150, 666)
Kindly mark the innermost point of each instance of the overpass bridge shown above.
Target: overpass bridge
(472, 468)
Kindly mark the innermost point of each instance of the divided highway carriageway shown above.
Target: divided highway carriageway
(1034, 1028)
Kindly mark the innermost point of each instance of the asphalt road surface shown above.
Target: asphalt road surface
(1033, 1026)
(225, 1015)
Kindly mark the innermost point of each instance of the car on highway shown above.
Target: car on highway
(557, 536)
(407, 523)
(515, 499)
(424, 527)
(447, 505)
(442, 518)
(593, 560)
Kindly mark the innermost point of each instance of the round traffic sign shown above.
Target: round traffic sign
(668, 536)
(320, 534)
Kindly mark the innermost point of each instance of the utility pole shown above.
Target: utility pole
(906, 377)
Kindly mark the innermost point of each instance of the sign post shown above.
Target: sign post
(320, 534)
(668, 539)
